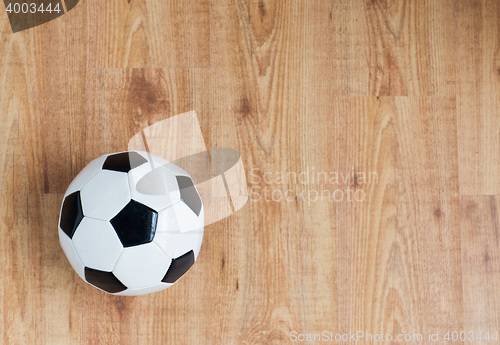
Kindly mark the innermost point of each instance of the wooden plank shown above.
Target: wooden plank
(56, 287)
(477, 28)
(121, 103)
(271, 89)
(275, 272)
(41, 295)
(399, 242)
(271, 98)
(18, 324)
(393, 48)
(479, 223)
(148, 33)
(43, 75)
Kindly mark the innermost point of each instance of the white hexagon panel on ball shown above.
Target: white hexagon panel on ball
(131, 223)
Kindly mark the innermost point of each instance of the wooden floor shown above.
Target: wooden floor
(396, 102)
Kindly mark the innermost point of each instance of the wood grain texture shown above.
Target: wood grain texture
(271, 98)
(399, 247)
(43, 104)
(480, 262)
(271, 89)
(477, 34)
(142, 33)
(122, 102)
(42, 298)
(274, 268)
(393, 48)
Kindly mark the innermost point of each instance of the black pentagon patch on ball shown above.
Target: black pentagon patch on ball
(178, 267)
(71, 214)
(189, 195)
(104, 280)
(123, 162)
(135, 224)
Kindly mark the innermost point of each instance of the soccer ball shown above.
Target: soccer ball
(131, 223)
